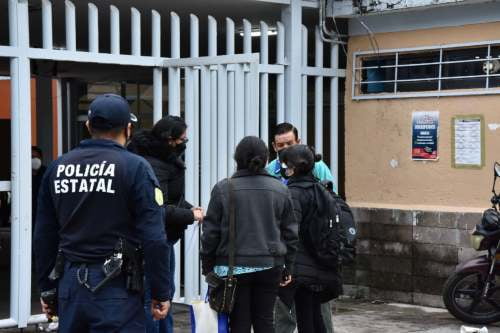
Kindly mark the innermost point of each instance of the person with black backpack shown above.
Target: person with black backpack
(317, 272)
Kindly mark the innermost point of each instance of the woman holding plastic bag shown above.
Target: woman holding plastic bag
(263, 238)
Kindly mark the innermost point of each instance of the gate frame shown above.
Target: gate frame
(291, 102)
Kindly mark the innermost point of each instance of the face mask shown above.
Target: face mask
(36, 163)
(285, 171)
(180, 148)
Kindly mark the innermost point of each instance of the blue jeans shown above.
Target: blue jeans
(165, 325)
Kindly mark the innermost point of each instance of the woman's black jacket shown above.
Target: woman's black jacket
(170, 170)
(307, 271)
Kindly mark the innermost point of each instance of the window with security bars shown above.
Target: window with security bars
(456, 70)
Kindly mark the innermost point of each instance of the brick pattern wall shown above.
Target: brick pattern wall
(406, 256)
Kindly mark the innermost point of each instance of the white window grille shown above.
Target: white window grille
(449, 70)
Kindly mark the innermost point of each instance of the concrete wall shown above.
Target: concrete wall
(378, 131)
(407, 256)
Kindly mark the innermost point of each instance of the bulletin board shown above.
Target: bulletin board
(468, 142)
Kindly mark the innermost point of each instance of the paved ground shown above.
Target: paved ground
(354, 316)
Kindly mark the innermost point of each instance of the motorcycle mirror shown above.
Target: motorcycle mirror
(497, 169)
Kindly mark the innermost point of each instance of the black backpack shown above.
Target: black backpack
(329, 231)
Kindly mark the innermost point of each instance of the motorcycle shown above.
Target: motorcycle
(472, 292)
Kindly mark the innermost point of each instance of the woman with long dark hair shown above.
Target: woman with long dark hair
(313, 284)
(265, 237)
(163, 147)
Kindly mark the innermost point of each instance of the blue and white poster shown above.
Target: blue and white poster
(425, 132)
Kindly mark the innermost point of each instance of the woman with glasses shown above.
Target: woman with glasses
(163, 147)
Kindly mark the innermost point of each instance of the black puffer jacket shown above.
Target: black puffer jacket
(169, 169)
(307, 271)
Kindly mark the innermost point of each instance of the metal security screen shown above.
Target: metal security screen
(464, 69)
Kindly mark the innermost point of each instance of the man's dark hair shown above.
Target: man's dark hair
(285, 128)
(169, 127)
(251, 153)
(37, 149)
(100, 132)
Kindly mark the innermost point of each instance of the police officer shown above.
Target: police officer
(92, 201)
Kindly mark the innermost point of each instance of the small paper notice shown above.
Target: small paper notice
(468, 141)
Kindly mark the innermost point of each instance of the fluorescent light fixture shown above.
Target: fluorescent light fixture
(256, 33)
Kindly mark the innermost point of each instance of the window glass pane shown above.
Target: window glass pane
(464, 68)
(378, 73)
(467, 83)
(418, 71)
(495, 66)
(494, 82)
(417, 86)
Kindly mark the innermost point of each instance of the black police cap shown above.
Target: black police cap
(110, 111)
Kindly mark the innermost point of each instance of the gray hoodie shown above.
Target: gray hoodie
(266, 227)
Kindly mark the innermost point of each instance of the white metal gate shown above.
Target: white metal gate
(224, 96)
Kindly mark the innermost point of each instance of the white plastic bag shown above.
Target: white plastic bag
(466, 329)
(206, 320)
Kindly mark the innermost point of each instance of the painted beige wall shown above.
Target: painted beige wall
(378, 131)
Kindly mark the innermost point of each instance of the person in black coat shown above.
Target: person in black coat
(163, 147)
(313, 283)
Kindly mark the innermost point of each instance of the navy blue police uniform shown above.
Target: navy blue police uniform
(90, 198)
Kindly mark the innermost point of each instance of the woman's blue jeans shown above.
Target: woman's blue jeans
(165, 325)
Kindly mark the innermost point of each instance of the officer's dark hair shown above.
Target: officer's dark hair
(169, 127)
(301, 158)
(37, 149)
(285, 128)
(101, 132)
(251, 154)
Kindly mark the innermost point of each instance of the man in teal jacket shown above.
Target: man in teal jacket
(287, 135)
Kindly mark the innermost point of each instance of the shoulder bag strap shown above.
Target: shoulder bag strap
(231, 228)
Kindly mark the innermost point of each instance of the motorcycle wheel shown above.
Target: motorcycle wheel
(462, 297)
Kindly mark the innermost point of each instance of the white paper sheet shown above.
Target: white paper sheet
(468, 141)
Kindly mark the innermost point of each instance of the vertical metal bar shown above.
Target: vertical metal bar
(194, 52)
(47, 24)
(70, 25)
(20, 280)
(440, 68)
(191, 278)
(292, 18)
(396, 73)
(253, 103)
(157, 94)
(93, 28)
(488, 57)
(247, 36)
(59, 118)
(205, 136)
(222, 129)
(303, 115)
(334, 116)
(135, 32)
(230, 94)
(155, 33)
(247, 48)
(212, 51)
(264, 83)
(239, 97)
(318, 94)
(157, 72)
(280, 79)
(68, 116)
(174, 74)
(114, 29)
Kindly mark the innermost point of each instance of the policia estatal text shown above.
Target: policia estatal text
(99, 210)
